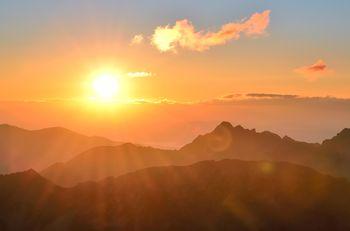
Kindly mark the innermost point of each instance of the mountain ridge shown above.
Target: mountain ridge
(23, 149)
(224, 142)
(209, 195)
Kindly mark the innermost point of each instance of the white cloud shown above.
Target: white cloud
(184, 35)
(139, 74)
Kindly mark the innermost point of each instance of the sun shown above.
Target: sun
(106, 86)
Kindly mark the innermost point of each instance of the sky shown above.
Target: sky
(178, 57)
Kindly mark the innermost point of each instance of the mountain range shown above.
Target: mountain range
(224, 142)
(22, 149)
(210, 195)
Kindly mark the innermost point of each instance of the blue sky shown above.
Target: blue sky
(297, 19)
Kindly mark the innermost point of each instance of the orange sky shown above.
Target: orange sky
(49, 53)
(169, 124)
(53, 61)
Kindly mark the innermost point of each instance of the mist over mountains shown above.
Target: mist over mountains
(21, 149)
(224, 142)
(231, 178)
(310, 119)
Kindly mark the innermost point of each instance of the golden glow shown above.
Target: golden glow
(164, 38)
(106, 86)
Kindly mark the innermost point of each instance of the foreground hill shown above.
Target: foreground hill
(224, 142)
(22, 149)
(28, 200)
(210, 195)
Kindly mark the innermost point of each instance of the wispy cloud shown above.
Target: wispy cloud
(139, 74)
(184, 35)
(230, 99)
(271, 96)
(232, 96)
(314, 71)
(257, 96)
(137, 39)
(239, 99)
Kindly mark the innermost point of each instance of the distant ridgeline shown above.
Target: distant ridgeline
(224, 142)
(22, 149)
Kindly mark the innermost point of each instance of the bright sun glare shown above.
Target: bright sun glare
(106, 86)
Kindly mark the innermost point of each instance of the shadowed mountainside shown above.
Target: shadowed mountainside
(22, 149)
(224, 142)
(28, 200)
(210, 195)
(101, 162)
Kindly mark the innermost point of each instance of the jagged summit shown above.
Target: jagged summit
(240, 130)
(227, 126)
(224, 124)
(344, 133)
(343, 137)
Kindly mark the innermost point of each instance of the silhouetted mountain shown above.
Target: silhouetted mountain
(335, 153)
(340, 143)
(22, 149)
(101, 162)
(224, 142)
(29, 202)
(210, 195)
(227, 141)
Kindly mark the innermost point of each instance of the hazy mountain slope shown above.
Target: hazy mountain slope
(225, 141)
(101, 162)
(236, 142)
(22, 149)
(335, 153)
(223, 195)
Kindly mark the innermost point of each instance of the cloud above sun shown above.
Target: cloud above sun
(184, 35)
(314, 71)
